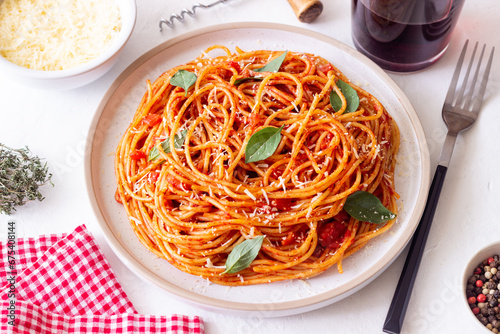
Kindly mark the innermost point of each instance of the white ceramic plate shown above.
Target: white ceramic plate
(283, 298)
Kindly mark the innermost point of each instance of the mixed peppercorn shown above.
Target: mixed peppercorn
(483, 293)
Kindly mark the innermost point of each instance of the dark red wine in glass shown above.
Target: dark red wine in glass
(404, 35)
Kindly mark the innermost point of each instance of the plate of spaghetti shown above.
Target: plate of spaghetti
(230, 165)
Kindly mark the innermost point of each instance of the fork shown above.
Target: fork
(460, 110)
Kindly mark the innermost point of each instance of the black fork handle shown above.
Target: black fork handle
(399, 304)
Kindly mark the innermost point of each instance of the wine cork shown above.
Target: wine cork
(306, 10)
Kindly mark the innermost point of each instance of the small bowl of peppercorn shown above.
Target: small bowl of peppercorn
(481, 286)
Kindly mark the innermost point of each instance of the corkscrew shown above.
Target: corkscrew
(191, 12)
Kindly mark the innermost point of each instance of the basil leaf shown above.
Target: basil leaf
(262, 144)
(243, 254)
(274, 65)
(241, 80)
(350, 94)
(183, 79)
(165, 145)
(366, 207)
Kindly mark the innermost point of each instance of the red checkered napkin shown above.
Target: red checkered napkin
(64, 284)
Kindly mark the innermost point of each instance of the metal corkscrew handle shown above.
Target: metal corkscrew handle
(191, 12)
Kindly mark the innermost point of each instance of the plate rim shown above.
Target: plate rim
(278, 308)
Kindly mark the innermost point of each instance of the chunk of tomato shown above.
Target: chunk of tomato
(282, 204)
(294, 236)
(152, 119)
(235, 65)
(289, 239)
(176, 183)
(153, 176)
(342, 216)
(325, 68)
(138, 155)
(332, 234)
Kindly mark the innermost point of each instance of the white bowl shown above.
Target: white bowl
(475, 260)
(80, 75)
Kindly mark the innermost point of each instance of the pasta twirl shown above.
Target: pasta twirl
(195, 198)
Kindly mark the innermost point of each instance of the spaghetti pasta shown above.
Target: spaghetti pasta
(195, 198)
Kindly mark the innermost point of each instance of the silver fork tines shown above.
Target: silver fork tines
(460, 100)
(462, 103)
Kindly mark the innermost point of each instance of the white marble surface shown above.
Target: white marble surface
(54, 125)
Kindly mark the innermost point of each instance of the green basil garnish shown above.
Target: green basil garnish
(366, 207)
(183, 79)
(165, 145)
(243, 254)
(262, 144)
(274, 65)
(241, 80)
(350, 94)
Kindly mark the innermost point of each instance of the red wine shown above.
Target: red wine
(397, 35)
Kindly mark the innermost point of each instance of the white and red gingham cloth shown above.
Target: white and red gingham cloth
(64, 284)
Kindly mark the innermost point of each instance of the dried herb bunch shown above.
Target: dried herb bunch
(21, 174)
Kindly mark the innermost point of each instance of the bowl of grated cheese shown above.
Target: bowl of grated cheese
(62, 44)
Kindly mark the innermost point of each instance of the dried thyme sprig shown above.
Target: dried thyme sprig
(20, 177)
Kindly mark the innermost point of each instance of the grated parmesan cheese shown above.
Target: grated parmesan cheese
(249, 194)
(265, 196)
(282, 183)
(53, 35)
